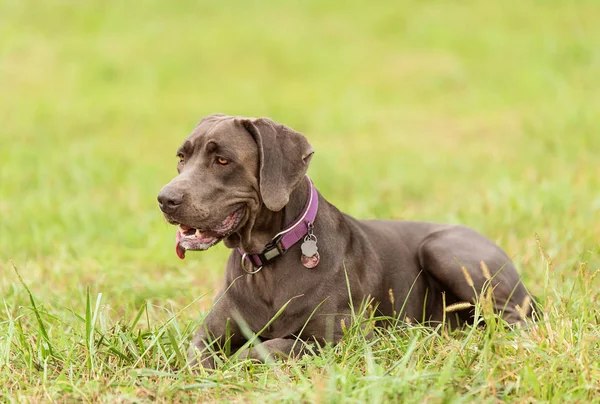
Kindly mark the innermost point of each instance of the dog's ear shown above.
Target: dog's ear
(284, 155)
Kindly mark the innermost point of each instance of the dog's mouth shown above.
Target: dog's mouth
(189, 238)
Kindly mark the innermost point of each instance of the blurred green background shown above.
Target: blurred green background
(484, 113)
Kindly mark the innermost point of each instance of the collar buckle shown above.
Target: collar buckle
(273, 250)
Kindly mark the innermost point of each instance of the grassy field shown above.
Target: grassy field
(485, 113)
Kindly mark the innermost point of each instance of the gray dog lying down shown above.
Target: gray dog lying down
(243, 181)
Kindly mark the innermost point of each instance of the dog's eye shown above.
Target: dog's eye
(222, 161)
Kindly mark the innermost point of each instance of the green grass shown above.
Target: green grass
(480, 112)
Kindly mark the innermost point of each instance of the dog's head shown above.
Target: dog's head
(230, 168)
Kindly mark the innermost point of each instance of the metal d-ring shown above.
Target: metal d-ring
(243, 264)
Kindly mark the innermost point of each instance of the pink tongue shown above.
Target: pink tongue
(178, 248)
(180, 251)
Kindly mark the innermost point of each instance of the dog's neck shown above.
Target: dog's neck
(254, 237)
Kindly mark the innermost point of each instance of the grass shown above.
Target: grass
(478, 112)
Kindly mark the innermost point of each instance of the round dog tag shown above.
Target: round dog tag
(310, 262)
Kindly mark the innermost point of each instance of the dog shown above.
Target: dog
(243, 181)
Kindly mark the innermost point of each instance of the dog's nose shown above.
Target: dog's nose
(169, 201)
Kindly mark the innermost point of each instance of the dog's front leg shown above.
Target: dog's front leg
(277, 348)
(217, 331)
(199, 353)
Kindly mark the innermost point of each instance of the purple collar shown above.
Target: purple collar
(285, 239)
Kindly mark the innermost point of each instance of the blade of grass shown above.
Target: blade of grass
(47, 348)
